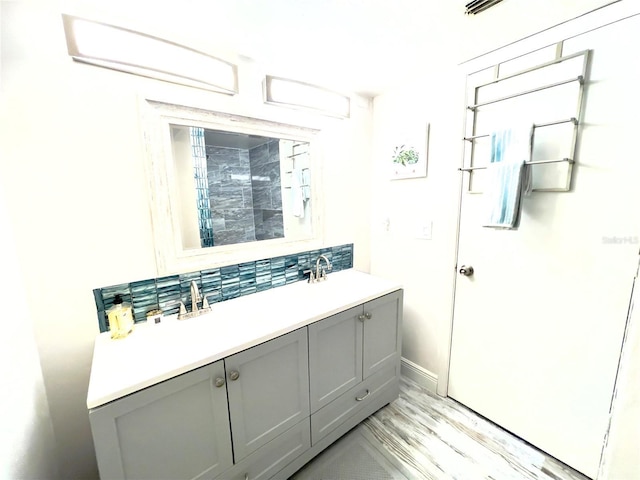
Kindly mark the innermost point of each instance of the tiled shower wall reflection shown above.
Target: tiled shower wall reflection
(217, 284)
(245, 193)
(230, 195)
(267, 190)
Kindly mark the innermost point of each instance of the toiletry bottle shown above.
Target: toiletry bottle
(120, 318)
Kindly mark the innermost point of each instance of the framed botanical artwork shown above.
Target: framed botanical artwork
(408, 158)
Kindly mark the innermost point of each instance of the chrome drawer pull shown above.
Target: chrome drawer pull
(359, 399)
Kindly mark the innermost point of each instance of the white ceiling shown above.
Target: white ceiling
(362, 46)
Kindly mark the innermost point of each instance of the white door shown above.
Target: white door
(538, 327)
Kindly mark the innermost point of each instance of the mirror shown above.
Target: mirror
(237, 188)
(227, 188)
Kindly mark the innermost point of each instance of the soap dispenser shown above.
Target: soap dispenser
(120, 318)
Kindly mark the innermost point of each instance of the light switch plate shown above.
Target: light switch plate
(425, 230)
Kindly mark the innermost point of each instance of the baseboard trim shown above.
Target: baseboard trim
(421, 376)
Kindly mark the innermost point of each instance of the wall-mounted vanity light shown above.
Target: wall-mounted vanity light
(291, 93)
(133, 52)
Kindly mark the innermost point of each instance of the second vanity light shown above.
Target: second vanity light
(291, 93)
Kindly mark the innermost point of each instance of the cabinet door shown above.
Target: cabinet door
(382, 332)
(268, 387)
(335, 356)
(176, 429)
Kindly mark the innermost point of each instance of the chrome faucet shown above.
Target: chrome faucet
(195, 298)
(321, 273)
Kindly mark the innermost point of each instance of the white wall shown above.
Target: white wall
(26, 436)
(72, 170)
(426, 267)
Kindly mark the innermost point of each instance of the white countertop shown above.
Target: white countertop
(153, 353)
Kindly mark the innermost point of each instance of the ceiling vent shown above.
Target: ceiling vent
(478, 6)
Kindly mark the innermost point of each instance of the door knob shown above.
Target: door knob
(234, 375)
(466, 270)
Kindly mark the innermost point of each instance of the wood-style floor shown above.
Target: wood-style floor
(429, 437)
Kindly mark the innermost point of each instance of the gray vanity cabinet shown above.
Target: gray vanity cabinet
(353, 357)
(175, 429)
(268, 387)
(263, 412)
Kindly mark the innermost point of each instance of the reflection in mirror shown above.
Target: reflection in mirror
(237, 187)
(226, 189)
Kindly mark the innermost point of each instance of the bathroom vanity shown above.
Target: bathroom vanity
(252, 390)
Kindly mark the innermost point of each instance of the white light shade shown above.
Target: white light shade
(299, 94)
(132, 52)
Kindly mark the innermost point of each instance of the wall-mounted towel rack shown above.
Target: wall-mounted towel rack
(294, 154)
(302, 184)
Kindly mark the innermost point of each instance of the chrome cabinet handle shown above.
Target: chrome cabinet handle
(246, 476)
(234, 375)
(359, 399)
(361, 317)
(219, 382)
(465, 270)
(368, 315)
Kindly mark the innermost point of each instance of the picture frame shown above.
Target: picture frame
(409, 155)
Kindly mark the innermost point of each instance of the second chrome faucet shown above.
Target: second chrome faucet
(320, 273)
(195, 298)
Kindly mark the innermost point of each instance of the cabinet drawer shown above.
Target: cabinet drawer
(274, 456)
(330, 417)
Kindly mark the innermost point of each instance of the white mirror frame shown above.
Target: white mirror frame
(171, 258)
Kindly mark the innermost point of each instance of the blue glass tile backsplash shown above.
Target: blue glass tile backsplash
(217, 284)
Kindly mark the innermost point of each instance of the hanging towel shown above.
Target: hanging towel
(297, 193)
(306, 184)
(508, 177)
